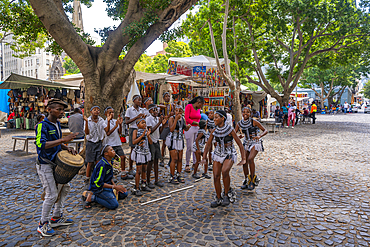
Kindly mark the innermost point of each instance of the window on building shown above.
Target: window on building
(47, 53)
(31, 62)
(31, 72)
(47, 61)
(37, 61)
(36, 74)
(47, 72)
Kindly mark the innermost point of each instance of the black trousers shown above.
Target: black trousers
(312, 115)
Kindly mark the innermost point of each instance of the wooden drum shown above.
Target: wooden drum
(68, 166)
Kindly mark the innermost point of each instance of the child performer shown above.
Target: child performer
(167, 110)
(155, 125)
(141, 155)
(198, 148)
(102, 184)
(132, 114)
(94, 131)
(210, 128)
(113, 129)
(223, 157)
(175, 143)
(252, 145)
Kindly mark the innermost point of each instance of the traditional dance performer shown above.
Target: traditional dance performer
(175, 143)
(210, 128)
(223, 157)
(141, 155)
(198, 148)
(252, 145)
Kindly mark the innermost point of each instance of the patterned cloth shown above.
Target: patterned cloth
(222, 151)
(250, 131)
(202, 142)
(175, 139)
(141, 152)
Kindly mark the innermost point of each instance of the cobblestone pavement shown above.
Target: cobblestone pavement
(314, 192)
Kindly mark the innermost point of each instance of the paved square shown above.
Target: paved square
(314, 192)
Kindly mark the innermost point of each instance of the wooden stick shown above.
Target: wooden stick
(197, 180)
(155, 200)
(185, 188)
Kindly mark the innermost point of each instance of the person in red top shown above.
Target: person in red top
(11, 116)
(192, 117)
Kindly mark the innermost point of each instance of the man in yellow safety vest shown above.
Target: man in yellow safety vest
(313, 112)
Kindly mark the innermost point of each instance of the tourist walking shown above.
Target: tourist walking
(192, 117)
(291, 114)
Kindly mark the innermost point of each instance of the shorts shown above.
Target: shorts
(130, 131)
(155, 150)
(93, 150)
(165, 133)
(285, 116)
(118, 150)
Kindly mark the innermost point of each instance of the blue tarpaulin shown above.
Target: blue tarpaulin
(4, 107)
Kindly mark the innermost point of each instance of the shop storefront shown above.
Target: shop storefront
(28, 97)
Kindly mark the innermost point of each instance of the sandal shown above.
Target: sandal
(85, 203)
(187, 168)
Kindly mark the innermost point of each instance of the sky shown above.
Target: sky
(96, 17)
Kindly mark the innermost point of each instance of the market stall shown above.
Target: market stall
(29, 97)
(257, 99)
(204, 80)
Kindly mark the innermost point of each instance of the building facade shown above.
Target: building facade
(38, 65)
(9, 63)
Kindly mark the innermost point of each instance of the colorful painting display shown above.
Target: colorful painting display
(172, 67)
(183, 70)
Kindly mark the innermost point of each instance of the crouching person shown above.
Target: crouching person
(101, 183)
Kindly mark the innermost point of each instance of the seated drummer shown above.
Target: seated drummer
(49, 143)
(102, 184)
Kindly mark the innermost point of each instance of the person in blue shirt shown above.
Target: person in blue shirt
(49, 143)
(102, 184)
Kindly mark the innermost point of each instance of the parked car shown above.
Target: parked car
(355, 108)
(366, 108)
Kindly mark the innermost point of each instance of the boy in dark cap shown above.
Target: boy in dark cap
(49, 143)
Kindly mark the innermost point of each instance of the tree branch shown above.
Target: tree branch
(62, 30)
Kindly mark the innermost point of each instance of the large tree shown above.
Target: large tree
(106, 76)
(284, 37)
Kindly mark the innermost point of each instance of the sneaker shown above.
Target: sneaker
(151, 186)
(210, 167)
(161, 163)
(137, 192)
(173, 180)
(225, 201)
(126, 175)
(45, 230)
(144, 187)
(205, 175)
(132, 172)
(159, 184)
(292, 127)
(180, 179)
(62, 221)
(246, 183)
(216, 203)
(195, 176)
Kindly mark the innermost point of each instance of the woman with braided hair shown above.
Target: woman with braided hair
(252, 145)
(224, 156)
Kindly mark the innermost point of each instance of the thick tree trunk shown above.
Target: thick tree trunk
(237, 108)
(96, 95)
